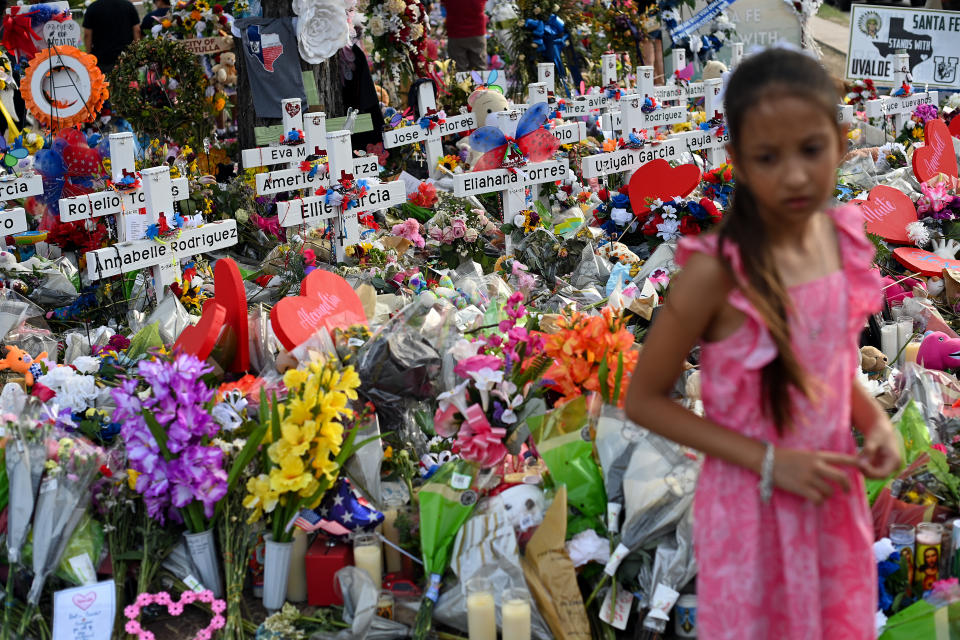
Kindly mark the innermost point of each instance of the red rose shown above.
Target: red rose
(603, 194)
(650, 227)
(727, 174)
(42, 392)
(689, 226)
(711, 209)
(624, 190)
(223, 19)
(218, 8)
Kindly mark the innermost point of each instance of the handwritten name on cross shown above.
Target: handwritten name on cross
(900, 107)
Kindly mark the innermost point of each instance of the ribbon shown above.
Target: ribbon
(478, 441)
(550, 38)
(18, 33)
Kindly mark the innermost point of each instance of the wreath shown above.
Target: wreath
(72, 73)
(159, 86)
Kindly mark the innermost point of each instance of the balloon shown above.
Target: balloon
(343, 506)
(49, 163)
(73, 137)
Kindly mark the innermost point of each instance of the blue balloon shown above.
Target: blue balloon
(49, 163)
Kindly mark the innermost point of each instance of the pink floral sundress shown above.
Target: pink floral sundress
(788, 569)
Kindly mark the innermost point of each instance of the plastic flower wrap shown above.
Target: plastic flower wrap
(458, 231)
(592, 354)
(500, 375)
(308, 445)
(167, 430)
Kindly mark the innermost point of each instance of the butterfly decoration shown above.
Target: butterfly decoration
(346, 193)
(613, 91)
(683, 75)
(533, 142)
(490, 82)
(12, 156)
(161, 228)
(227, 412)
(431, 119)
(635, 140)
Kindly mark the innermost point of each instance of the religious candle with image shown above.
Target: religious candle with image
(929, 537)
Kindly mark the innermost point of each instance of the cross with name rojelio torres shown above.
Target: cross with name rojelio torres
(630, 158)
(316, 210)
(511, 183)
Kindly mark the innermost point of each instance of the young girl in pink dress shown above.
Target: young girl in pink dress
(777, 299)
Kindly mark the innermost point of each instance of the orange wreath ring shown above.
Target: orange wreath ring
(85, 81)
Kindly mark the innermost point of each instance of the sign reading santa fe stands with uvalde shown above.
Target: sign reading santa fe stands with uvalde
(931, 39)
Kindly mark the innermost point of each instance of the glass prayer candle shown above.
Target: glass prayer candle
(515, 613)
(929, 537)
(368, 556)
(481, 610)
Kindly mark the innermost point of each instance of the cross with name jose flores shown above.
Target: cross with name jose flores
(511, 183)
(429, 138)
(314, 127)
(109, 202)
(314, 210)
(162, 257)
(13, 188)
(628, 160)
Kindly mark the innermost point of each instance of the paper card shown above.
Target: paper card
(617, 613)
(663, 600)
(135, 226)
(84, 613)
(83, 567)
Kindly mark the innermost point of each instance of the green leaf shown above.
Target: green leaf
(158, 434)
(275, 418)
(603, 374)
(618, 379)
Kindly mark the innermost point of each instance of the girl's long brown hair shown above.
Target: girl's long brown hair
(773, 72)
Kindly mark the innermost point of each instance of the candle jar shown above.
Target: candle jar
(394, 560)
(368, 556)
(929, 537)
(481, 610)
(515, 614)
(903, 536)
(904, 335)
(889, 341)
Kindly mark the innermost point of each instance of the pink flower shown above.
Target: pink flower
(478, 441)
(471, 235)
(218, 622)
(188, 597)
(458, 228)
(133, 627)
(410, 230)
(218, 606)
(203, 634)
(131, 611)
(309, 257)
(143, 599)
(475, 363)
(444, 423)
(176, 608)
(436, 234)
(940, 447)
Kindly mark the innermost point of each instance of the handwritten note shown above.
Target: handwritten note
(84, 613)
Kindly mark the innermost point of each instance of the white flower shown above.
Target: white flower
(87, 364)
(377, 28)
(456, 397)
(669, 229)
(621, 216)
(883, 549)
(396, 6)
(463, 349)
(669, 212)
(322, 30)
(918, 233)
(656, 204)
(416, 31)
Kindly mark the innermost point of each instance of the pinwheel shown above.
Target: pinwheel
(533, 142)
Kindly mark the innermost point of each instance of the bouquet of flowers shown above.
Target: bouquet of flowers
(891, 156)
(860, 92)
(458, 231)
(719, 184)
(307, 444)
(913, 128)
(194, 19)
(592, 354)
(670, 220)
(501, 386)
(399, 30)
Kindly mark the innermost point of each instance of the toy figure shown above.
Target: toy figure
(20, 361)
(939, 351)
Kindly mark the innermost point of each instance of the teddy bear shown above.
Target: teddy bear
(483, 102)
(714, 69)
(225, 71)
(872, 360)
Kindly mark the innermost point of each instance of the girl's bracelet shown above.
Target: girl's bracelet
(766, 474)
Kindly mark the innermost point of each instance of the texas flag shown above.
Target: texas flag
(266, 47)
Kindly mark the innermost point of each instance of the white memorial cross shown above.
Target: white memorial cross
(736, 54)
(675, 91)
(900, 107)
(110, 201)
(161, 256)
(13, 188)
(430, 138)
(629, 159)
(512, 182)
(314, 210)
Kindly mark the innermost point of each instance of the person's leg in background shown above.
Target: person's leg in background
(477, 52)
(457, 51)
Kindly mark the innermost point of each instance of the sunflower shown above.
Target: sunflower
(450, 162)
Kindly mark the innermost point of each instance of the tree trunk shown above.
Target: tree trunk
(327, 75)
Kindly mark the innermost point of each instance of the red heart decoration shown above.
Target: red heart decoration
(657, 179)
(924, 262)
(293, 109)
(326, 300)
(229, 292)
(955, 127)
(81, 160)
(200, 339)
(936, 156)
(888, 211)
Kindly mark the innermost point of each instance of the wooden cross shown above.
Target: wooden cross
(316, 210)
(13, 221)
(511, 183)
(900, 107)
(430, 138)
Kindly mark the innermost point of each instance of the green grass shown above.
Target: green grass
(831, 13)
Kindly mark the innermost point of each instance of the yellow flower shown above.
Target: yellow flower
(323, 463)
(261, 498)
(333, 432)
(683, 126)
(294, 378)
(296, 437)
(132, 476)
(290, 476)
(388, 453)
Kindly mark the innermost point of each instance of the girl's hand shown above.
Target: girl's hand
(812, 474)
(881, 452)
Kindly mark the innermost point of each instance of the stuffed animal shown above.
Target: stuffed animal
(872, 360)
(483, 102)
(382, 96)
(225, 71)
(20, 361)
(714, 69)
(939, 351)
(898, 289)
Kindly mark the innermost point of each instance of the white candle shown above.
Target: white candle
(904, 333)
(481, 616)
(516, 619)
(369, 558)
(390, 532)
(888, 341)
